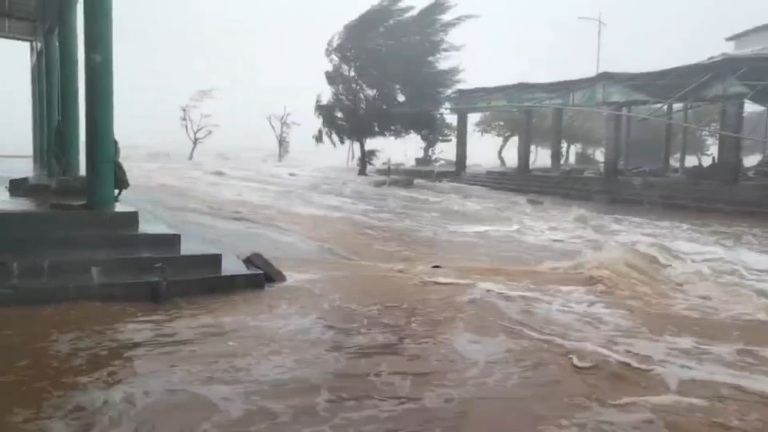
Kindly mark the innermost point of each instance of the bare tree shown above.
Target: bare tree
(197, 124)
(281, 125)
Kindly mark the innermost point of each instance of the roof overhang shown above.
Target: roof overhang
(725, 78)
(18, 19)
(747, 32)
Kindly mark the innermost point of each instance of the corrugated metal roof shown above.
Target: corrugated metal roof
(18, 19)
(729, 77)
(746, 32)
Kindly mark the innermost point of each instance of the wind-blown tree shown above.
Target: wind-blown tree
(509, 124)
(442, 131)
(502, 124)
(387, 76)
(281, 125)
(197, 124)
(424, 76)
(585, 129)
(647, 135)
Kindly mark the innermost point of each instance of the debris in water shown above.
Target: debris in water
(533, 201)
(257, 261)
(445, 281)
(579, 364)
(669, 399)
(403, 182)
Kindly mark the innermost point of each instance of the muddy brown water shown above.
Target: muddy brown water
(552, 318)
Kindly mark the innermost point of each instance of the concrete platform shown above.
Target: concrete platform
(676, 193)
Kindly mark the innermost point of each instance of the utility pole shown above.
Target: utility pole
(600, 24)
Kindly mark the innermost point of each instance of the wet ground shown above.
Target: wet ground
(438, 308)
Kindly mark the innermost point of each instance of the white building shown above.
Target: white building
(751, 41)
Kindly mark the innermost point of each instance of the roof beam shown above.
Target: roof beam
(17, 30)
(17, 17)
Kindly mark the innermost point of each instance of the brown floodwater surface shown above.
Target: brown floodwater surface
(438, 308)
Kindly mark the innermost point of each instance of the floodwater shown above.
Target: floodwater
(438, 308)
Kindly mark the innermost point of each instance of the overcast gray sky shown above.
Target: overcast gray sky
(264, 55)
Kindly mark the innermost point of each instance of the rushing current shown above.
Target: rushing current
(437, 308)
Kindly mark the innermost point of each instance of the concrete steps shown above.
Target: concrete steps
(76, 255)
(87, 245)
(88, 270)
(39, 293)
(52, 222)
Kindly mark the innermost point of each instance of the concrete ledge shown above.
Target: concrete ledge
(63, 186)
(28, 187)
(745, 199)
(90, 270)
(423, 173)
(21, 246)
(73, 221)
(136, 291)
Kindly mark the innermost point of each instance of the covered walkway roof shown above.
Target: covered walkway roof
(724, 78)
(18, 19)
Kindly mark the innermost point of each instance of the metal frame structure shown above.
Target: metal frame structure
(728, 81)
(50, 28)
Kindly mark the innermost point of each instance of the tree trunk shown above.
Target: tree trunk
(363, 162)
(567, 155)
(535, 154)
(500, 153)
(192, 151)
(425, 154)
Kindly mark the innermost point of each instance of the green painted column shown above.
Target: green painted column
(42, 117)
(461, 143)
(69, 144)
(33, 94)
(51, 47)
(99, 104)
(524, 141)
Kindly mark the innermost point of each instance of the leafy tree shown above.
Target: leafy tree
(387, 76)
(647, 135)
(281, 125)
(584, 128)
(197, 124)
(509, 124)
(441, 131)
(502, 124)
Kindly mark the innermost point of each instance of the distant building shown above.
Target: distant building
(750, 41)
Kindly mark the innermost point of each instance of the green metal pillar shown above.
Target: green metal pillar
(51, 48)
(33, 93)
(99, 104)
(461, 143)
(668, 136)
(42, 114)
(69, 144)
(524, 143)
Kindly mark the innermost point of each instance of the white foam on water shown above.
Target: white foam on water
(475, 229)
(701, 270)
(576, 320)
